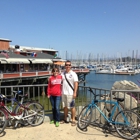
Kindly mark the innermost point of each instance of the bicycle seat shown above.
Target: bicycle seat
(119, 99)
(2, 96)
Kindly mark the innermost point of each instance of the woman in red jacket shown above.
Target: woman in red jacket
(54, 93)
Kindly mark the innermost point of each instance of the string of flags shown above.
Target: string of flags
(4, 53)
(33, 54)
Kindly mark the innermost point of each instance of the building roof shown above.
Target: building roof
(18, 58)
(3, 39)
(21, 48)
(42, 55)
(39, 55)
(27, 53)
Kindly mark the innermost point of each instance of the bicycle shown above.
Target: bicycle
(32, 112)
(126, 122)
(26, 103)
(137, 110)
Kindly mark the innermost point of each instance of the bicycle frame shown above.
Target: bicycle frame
(93, 104)
(13, 115)
(7, 110)
(126, 122)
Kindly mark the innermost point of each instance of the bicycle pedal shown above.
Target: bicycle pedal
(106, 135)
(110, 124)
(16, 124)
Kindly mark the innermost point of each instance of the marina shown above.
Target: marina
(28, 65)
(28, 69)
(115, 69)
(101, 41)
(106, 81)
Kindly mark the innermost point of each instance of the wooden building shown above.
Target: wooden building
(28, 65)
(4, 44)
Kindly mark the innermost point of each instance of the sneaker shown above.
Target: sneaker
(57, 124)
(52, 122)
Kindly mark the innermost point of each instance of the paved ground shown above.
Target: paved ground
(48, 131)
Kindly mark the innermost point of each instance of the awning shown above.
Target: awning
(41, 61)
(59, 63)
(3, 61)
(17, 61)
(25, 61)
(58, 60)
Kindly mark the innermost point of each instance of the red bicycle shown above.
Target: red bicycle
(32, 113)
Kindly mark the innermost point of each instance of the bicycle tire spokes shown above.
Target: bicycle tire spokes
(36, 114)
(84, 118)
(127, 124)
(3, 121)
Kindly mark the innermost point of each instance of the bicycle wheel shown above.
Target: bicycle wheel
(3, 121)
(136, 109)
(84, 118)
(23, 113)
(36, 114)
(127, 124)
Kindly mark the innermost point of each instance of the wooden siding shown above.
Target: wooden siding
(4, 45)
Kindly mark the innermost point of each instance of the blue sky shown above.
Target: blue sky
(104, 27)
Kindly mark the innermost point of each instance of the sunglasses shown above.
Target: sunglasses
(68, 65)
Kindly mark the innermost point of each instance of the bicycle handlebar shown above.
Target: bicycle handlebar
(2, 96)
(19, 92)
(101, 95)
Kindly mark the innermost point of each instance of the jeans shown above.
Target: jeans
(55, 102)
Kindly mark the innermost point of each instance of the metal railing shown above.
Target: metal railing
(84, 96)
(34, 73)
(36, 92)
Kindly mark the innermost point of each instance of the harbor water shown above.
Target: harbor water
(106, 81)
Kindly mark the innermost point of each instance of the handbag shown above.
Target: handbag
(70, 84)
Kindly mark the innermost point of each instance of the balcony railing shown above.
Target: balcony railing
(34, 74)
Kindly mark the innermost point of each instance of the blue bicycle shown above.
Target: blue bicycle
(125, 122)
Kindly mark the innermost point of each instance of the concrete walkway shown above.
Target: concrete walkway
(48, 131)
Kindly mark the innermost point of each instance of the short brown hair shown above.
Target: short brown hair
(68, 61)
(55, 69)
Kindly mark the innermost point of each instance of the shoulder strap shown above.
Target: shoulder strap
(68, 82)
